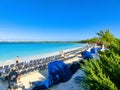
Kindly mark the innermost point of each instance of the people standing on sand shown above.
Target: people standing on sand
(12, 79)
(17, 60)
(62, 54)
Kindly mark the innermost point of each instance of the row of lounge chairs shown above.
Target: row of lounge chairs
(26, 67)
(32, 65)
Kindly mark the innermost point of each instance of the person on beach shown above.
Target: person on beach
(17, 60)
(87, 45)
(62, 54)
(13, 77)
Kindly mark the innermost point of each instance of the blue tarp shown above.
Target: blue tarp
(98, 49)
(74, 67)
(95, 50)
(86, 55)
(58, 72)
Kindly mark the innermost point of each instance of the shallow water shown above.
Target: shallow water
(9, 51)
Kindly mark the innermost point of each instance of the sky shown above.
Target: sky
(57, 20)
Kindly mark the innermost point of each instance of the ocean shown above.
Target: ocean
(9, 51)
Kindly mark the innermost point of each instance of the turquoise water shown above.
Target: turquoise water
(9, 51)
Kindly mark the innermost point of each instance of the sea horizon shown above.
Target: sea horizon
(39, 41)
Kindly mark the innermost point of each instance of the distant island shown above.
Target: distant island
(39, 41)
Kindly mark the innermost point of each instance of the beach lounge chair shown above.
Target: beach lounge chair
(23, 72)
(40, 67)
(1, 71)
(7, 69)
(20, 67)
(36, 67)
(31, 69)
(12, 65)
(34, 63)
(21, 63)
(38, 61)
(25, 66)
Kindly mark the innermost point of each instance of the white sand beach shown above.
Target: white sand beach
(42, 75)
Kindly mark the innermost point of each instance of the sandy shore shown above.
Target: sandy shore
(42, 75)
(38, 76)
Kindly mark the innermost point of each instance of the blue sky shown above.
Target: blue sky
(57, 19)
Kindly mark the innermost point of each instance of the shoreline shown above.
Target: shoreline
(8, 62)
(42, 74)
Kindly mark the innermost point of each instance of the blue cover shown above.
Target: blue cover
(86, 55)
(98, 49)
(61, 71)
(58, 72)
(93, 50)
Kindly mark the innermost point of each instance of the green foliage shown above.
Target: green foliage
(104, 74)
(106, 37)
(115, 46)
(111, 67)
(96, 79)
(92, 40)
